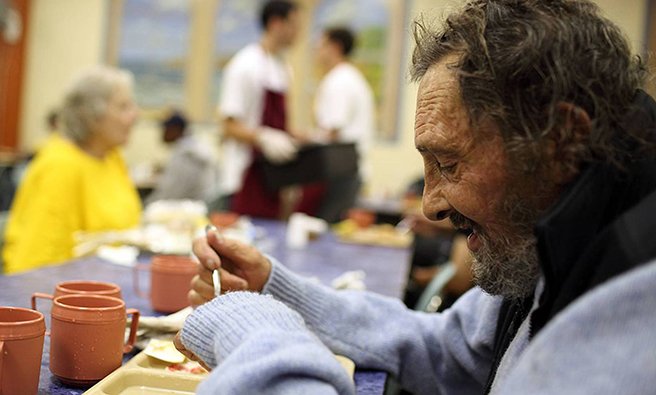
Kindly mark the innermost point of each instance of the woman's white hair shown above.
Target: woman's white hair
(86, 99)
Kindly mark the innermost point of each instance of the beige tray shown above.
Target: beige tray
(147, 375)
(378, 235)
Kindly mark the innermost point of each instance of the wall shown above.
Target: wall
(68, 35)
(65, 36)
(631, 17)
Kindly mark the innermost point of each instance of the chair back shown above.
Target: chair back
(431, 299)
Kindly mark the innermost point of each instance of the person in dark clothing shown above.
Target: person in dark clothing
(431, 249)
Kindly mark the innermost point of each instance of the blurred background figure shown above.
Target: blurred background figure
(253, 105)
(434, 245)
(344, 113)
(191, 171)
(79, 180)
(52, 120)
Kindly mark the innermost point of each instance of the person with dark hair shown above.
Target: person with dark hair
(276, 9)
(254, 113)
(435, 245)
(52, 120)
(191, 171)
(344, 112)
(538, 144)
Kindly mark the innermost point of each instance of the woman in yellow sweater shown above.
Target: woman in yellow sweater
(78, 180)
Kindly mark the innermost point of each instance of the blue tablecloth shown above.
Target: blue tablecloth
(324, 258)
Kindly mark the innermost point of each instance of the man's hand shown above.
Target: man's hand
(177, 341)
(213, 331)
(242, 267)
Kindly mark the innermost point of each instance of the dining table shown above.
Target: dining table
(323, 258)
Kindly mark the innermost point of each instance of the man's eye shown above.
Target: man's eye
(447, 170)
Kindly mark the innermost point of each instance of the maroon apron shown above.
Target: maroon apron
(255, 198)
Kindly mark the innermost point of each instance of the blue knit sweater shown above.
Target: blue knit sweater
(603, 343)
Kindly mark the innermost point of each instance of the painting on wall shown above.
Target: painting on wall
(152, 38)
(236, 26)
(369, 20)
(375, 30)
(153, 43)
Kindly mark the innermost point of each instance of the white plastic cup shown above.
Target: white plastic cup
(297, 234)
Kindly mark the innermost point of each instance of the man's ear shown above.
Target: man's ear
(566, 142)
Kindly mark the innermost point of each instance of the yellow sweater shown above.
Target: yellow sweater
(66, 190)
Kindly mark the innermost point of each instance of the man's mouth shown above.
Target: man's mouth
(473, 241)
(469, 228)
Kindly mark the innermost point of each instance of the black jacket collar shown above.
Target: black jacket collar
(600, 227)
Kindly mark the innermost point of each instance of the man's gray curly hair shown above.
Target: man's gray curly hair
(519, 58)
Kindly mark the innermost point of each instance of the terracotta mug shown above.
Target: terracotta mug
(170, 282)
(223, 219)
(21, 346)
(81, 287)
(87, 337)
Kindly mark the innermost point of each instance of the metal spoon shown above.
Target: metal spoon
(216, 275)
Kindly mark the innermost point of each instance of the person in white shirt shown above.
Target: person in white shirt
(253, 110)
(344, 112)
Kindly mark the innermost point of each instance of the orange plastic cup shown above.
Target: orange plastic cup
(87, 337)
(80, 287)
(21, 347)
(170, 282)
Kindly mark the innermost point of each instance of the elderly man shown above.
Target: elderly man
(536, 141)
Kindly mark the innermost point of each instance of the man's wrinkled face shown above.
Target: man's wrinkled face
(469, 178)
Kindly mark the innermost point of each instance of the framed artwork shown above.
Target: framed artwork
(379, 26)
(236, 27)
(178, 48)
(152, 43)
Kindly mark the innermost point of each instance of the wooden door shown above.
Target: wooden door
(12, 65)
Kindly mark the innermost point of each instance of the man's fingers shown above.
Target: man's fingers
(195, 299)
(206, 255)
(230, 282)
(233, 250)
(177, 342)
(202, 287)
(204, 365)
(203, 283)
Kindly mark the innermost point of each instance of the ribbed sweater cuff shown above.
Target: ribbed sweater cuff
(295, 291)
(218, 327)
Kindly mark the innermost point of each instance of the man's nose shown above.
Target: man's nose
(435, 205)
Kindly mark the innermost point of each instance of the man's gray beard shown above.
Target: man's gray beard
(508, 267)
(508, 264)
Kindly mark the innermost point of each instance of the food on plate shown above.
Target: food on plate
(164, 350)
(192, 367)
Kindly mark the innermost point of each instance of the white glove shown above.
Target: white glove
(276, 145)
